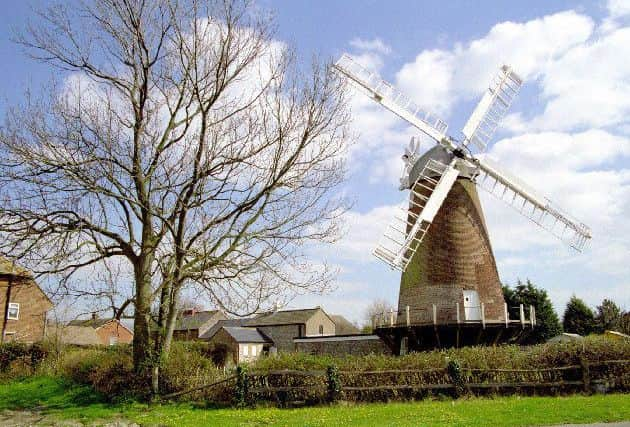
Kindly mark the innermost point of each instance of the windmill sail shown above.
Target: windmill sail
(412, 220)
(530, 204)
(391, 98)
(486, 117)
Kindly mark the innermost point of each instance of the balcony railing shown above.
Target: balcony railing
(444, 314)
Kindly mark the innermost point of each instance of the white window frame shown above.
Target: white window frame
(245, 350)
(253, 350)
(13, 306)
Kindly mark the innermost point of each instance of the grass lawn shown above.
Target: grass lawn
(61, 400)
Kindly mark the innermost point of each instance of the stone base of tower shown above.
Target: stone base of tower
(402, 339)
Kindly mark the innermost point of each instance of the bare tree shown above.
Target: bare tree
(186, 142)
(376, 308)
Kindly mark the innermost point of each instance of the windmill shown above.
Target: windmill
(438, 238)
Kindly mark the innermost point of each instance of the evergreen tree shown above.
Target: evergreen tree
(578, 317)
(547, 323)
(608, 316)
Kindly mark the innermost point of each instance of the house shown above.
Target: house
(284, 325)
(207, 335)
(108, 331)
(23, 303)
(343, 326)
(73, 335)
(240, 344)
(192, 324)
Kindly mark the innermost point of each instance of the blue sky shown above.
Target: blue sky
(568, 134)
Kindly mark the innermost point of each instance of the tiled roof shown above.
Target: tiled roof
(343, 326)
(92, 323)
(194, 321)
(246, 335)
(284, 317)
(226, 322)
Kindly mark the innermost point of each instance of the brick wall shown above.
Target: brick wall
(357, 345)
(114, 330)
(455, 255)
(33, 307)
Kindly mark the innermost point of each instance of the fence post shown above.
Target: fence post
(407, 315)
(374, 322)
(522, 315)
(586, 376)
(242, 386)
(333, 383)
(483, 315)
(455, 373)
(531, 315)
(434, 314)
(391, 317)
(459, 319)
(506, 314)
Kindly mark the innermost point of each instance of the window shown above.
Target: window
(14, 311)
(113, 340)
(245, 350)
(321, 329)
(254, 350)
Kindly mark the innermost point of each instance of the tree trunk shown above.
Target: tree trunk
(142, 354)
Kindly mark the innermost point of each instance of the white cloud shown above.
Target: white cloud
(376, 45)
(589, 86)
(618, 8)
(363, 232)
(438, 78)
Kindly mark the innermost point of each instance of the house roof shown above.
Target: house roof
(343, 326)
(95, 323)
(77, 335)
(194, 321)
(10, 268)
(283, 317)
(221, 323)
(246, 335)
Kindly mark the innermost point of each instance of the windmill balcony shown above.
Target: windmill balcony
(442, 314)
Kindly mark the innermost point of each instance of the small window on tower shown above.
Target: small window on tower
(321, 329)
(14, 311)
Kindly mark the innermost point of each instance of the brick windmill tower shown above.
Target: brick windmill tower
(450, 293)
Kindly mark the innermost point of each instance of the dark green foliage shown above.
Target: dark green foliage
(547, 323)
(608, 316)
(241, 392)
(333, 383)
(10, 352)
(455, 373)
(578, 317)
(30, 355)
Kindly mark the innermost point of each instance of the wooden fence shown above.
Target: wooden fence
(291, 387)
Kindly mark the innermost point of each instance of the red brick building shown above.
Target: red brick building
(23, 303)
(107, 331)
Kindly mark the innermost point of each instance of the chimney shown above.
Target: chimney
(189, 312)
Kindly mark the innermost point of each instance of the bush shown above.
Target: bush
(592, 348)
(189, 365)
(18, 359)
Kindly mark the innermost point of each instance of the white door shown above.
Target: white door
(472, 306)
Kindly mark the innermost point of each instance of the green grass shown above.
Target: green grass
(60, 399)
